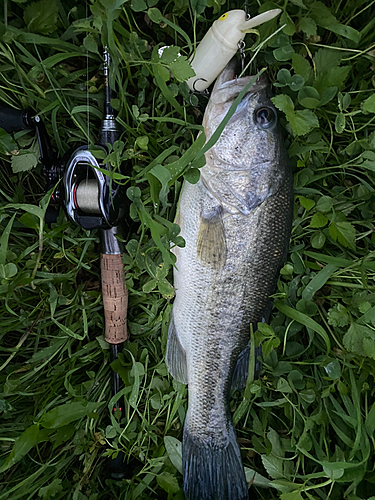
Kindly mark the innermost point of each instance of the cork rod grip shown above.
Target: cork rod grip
(115, 298)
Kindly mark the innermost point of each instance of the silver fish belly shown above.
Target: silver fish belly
(236, 222)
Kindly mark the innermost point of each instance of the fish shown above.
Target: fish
(236, 222)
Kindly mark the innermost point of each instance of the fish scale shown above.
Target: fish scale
(236, 222)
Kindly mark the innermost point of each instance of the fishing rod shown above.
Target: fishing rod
(92, 200)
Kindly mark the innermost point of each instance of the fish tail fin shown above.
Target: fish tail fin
(212, 471)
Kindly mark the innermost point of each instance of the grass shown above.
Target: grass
(306, 427)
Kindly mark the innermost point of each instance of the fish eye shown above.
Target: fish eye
(265, 117)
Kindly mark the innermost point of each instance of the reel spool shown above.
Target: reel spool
(92, 200)
(86, 196)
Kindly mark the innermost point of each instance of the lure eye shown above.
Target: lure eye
(265, 117)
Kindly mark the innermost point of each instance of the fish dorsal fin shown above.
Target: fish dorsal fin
(211, 241)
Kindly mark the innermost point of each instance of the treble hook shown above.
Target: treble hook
(241, 47)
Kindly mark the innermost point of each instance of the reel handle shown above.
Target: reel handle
(13, 120)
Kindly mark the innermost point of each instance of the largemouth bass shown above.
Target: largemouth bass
(236, 222)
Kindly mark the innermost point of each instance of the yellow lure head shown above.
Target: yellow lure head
(232, 26)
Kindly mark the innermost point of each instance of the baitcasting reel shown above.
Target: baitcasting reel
(89, 197)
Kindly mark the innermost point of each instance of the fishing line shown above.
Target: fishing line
(87, 89)
(87, 92)
(89, 190)
(88, 102)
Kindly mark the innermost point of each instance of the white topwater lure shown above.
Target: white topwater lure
(220, 43)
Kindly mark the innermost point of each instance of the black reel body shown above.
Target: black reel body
(92, 199)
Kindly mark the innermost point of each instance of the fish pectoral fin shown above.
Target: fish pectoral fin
(176, 356)
(211, 241)
(241, 370)
(242, 190)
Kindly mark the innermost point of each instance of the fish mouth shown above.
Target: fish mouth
(229, 72)
(227, 84)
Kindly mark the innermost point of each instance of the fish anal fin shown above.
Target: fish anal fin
(176, 356)
(211, 241)
(241, 370)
